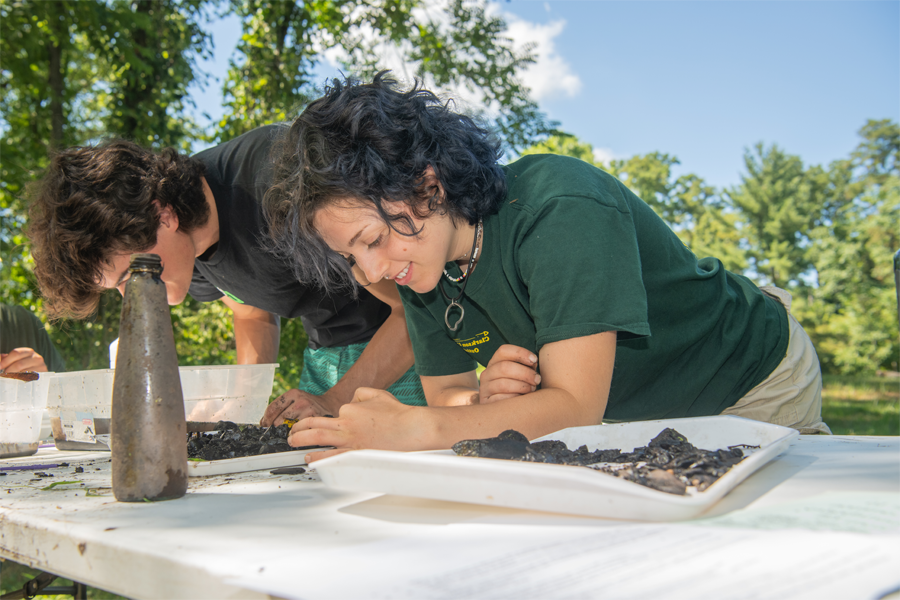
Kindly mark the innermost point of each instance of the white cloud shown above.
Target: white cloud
(550, 75)
(603, 155)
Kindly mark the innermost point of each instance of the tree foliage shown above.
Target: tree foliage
(777, 201)
(853, 311)
(453, 45)
(74, 72)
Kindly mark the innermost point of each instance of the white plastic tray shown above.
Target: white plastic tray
(249, 463)
(441, 475)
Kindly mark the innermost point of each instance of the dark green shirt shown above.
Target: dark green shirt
(19, 328)
(572, 252)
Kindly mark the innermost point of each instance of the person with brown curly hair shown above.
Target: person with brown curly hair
(202, 215)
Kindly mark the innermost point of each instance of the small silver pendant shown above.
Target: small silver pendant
(462, 313)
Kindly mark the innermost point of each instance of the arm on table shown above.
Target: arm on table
(575, 387)
(511, 372)
(385, 359)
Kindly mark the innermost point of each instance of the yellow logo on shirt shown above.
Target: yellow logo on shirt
(470, 345)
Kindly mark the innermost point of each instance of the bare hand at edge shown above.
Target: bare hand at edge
(296, 404)
(375, 419)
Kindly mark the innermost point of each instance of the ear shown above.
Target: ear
(167, 216)
(430, 179)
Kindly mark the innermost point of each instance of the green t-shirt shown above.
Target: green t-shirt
(19, 328)
(572, 252)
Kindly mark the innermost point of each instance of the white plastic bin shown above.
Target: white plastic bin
(238, 393)
(80, 407)
(21, 406)
(80, 403)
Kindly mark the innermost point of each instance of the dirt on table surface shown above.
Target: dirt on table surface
(669, 463)
(231, 440)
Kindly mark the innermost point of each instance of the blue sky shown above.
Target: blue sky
(699, 80)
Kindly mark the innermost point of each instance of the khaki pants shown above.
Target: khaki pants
(792, 394)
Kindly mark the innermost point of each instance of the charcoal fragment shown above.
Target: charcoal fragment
(288, 471)
(232, 441)
(669, 463)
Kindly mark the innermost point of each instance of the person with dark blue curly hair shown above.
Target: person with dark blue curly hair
(577, 298)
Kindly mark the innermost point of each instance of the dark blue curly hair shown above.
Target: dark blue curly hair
(373, 142)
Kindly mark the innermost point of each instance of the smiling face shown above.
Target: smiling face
(175, 248)
(355, 230)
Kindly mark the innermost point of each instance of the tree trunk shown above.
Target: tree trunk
(55, 73)
(138, 87)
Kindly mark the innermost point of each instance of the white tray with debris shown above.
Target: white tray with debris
(295, 458)
(441, 475)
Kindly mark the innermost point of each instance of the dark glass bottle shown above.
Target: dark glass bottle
(148, 433)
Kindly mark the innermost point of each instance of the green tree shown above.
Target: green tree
(563, 144)
(71, 72)
(852, 314)
(40, 78)
(778, 203)
(460, 45)
(154, 46)
(707, 225)
(38, 58)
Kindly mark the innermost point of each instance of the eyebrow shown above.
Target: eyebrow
(356, 237)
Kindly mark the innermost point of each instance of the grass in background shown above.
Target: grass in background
(861, 405)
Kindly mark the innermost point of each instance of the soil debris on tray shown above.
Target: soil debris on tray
(288, 471)
(669, 463)
(230, 440)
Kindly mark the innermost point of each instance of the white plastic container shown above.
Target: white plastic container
(80, 403)
(237, 393)
(22, 405)
(80, 407)
(441, 475)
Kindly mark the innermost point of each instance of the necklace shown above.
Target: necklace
(465, 279)
(475, 249)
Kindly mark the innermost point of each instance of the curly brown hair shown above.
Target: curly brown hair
(98, 201)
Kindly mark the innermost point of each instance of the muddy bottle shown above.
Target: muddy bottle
(147, 436)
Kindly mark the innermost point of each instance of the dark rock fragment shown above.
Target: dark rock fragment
(232, 441)
(288, 471)
(669, 463)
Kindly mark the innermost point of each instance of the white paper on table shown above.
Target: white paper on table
(855, 512)
(626, 562)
